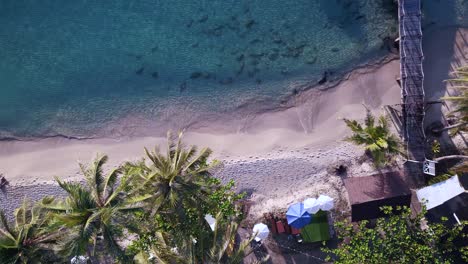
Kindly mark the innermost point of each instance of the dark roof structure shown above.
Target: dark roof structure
(367, 194)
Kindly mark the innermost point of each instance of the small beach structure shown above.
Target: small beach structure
(317, 230)
(368, 193)
(297, 216)
(445, 199)
(260, 231)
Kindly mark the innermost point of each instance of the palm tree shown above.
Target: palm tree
(29, 239)
(178, 182)
(377, 139)
(98, 210)
(179, 175)
(217, 247)
(460, 101)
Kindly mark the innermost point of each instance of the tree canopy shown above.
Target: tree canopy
(399, 238)
(377, 139)
(150, 211)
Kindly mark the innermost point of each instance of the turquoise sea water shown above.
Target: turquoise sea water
(72, 67)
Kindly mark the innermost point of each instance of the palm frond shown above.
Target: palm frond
(110, 181)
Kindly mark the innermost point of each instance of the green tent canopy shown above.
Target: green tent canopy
(317, 230)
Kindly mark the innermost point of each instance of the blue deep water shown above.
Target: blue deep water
(72, 67)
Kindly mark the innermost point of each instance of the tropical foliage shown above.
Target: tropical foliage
(182, 192)
(96, 211)
(460, 101)
(150, 211)
(376, 137)
(219, 248)
(29, 239)
(399, 238)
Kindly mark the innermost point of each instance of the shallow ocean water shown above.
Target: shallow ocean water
(73, 67)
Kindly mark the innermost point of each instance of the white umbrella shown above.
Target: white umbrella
(261, 231)
(311, 205)
(211, 221)
(325, 202)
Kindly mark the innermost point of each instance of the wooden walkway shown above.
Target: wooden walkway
(412, 76)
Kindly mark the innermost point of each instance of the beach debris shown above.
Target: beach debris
(260, 231)
(140, 71)
(155, 75)
(339, 167)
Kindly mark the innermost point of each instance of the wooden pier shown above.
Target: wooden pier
(412, 76)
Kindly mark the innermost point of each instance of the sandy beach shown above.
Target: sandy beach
(279, 156)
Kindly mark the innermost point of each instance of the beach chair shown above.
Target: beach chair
(273, 227)
(287, 228)
(280, 227)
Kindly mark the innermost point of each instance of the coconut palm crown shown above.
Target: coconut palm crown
(96, 211)
(460, 101)
(376, 138)
(28, 239)
(176, 176)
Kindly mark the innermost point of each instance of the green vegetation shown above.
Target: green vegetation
(376, 138)
(98, 208)
(460, 101)
(439, 178)
(30, 239)
(399, 238)
(150, 211)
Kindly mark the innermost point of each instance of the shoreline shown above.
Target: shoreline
(254, 108)
(267, 154)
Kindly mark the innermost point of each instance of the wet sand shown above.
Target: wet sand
(278, 156)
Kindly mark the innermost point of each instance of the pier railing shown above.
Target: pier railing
(412, 76)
